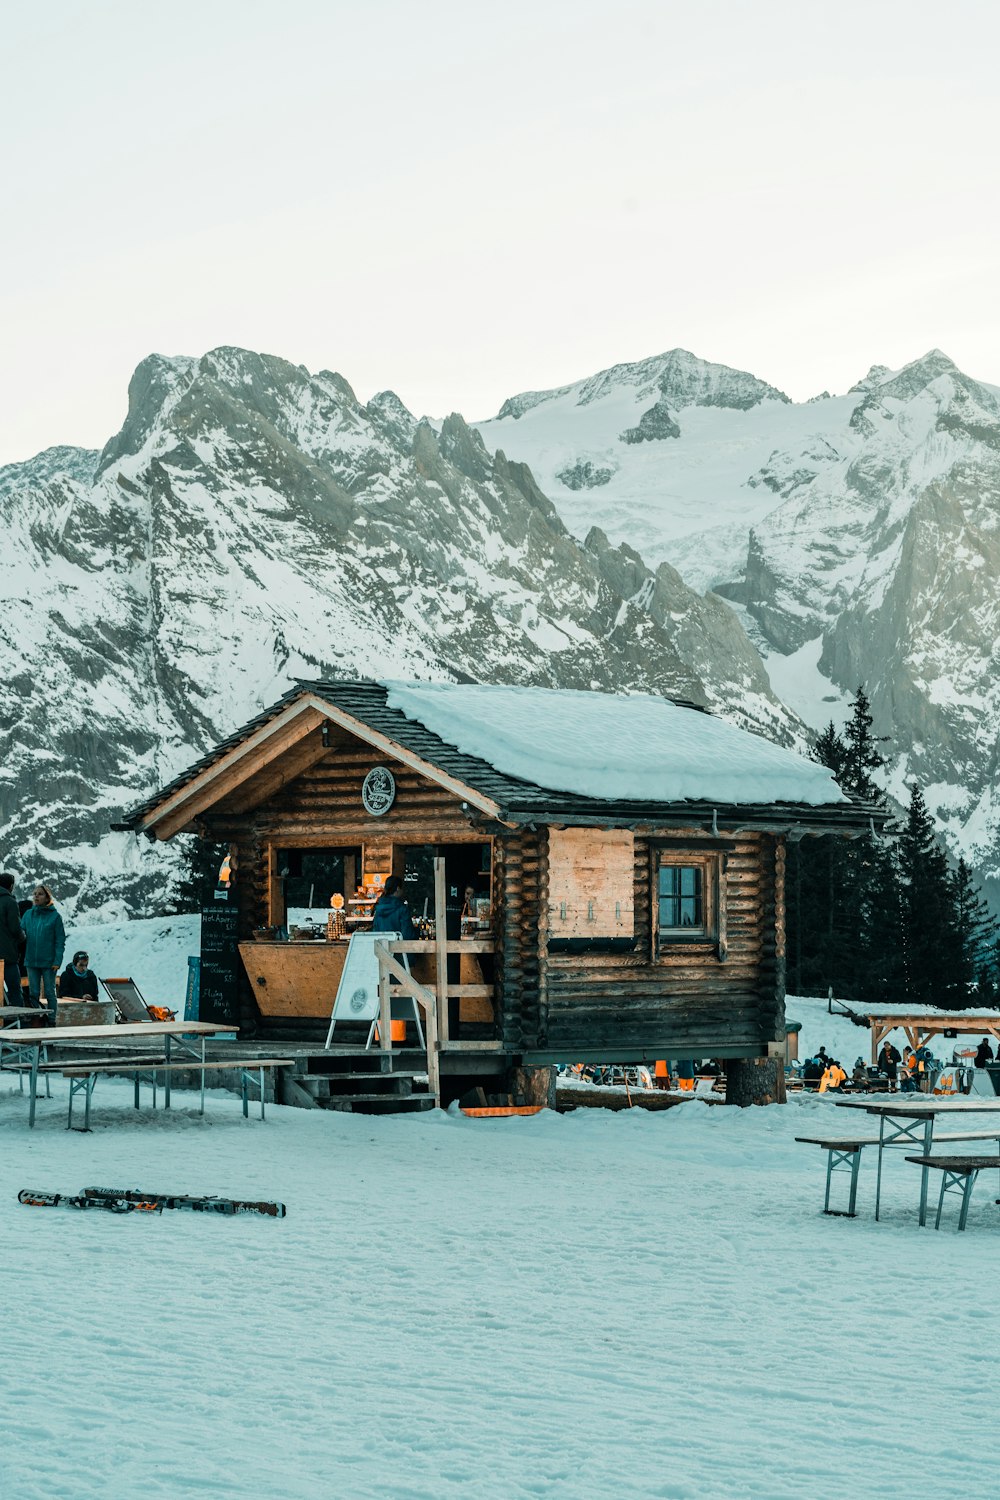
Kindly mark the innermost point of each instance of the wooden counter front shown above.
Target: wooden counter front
(294, 979)
(300, 979)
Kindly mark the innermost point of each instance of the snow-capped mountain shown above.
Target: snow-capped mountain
(252, 523)
(857, 535)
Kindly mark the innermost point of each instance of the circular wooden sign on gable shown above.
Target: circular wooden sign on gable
(378, 791)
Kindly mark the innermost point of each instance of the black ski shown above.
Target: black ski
(198, 1205)
(35, 1199)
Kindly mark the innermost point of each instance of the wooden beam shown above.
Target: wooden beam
(275, 890)
(233, 768)
(399, 752)
(263, 785)
(441, 944)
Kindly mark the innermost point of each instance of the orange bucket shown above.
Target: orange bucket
(397, 1031)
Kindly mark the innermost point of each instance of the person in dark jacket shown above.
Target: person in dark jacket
(889, 1060)
(392, 913)
(10, 943)
(984, 1053)
(77, 981)
(45, 943)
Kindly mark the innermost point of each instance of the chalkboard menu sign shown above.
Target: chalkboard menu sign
(220, 964)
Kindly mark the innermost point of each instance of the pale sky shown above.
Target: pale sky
(460, 201)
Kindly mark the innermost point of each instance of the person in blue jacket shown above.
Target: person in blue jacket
(392, 913)
(45, 940)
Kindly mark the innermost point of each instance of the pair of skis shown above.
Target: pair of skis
(127, 1200)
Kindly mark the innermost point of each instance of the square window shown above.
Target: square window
(682, 901)
(690, 901)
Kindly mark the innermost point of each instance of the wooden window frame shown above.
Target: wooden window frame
(710, 937)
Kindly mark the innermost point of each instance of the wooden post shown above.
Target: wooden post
(533, 1086)
(384, 1006)
(275, 890)
(441, 949)
(433, 1053)
(755, 1080)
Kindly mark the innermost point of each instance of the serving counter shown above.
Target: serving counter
(299, 980)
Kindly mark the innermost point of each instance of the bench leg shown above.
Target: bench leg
(969, 1184)
(853, 1200)
(262, 1093)
(834, 1161)
(925, 1172)
(166, 1075)
(245, 1093)
(90, 1089)
(944, 1186)
(33, 1087)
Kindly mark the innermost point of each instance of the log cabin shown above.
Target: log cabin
(594, 877)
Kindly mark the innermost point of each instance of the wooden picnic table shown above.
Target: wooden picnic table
(911, 1122)
(32, 1042)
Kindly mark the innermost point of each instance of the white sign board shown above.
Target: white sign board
(357, 993)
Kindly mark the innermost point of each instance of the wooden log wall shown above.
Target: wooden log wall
(521, 894)
(688, 999)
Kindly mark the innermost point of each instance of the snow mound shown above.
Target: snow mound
(637, 748)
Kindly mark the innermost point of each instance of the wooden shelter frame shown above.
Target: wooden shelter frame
(921, 1027)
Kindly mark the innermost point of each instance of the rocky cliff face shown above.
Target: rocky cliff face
(858, 536)
(252, 523)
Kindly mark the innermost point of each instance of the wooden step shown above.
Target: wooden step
(362, 1077)
(378, 1103)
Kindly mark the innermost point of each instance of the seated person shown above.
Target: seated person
(77, 981)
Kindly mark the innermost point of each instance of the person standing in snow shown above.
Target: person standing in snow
(889, 1060)
(984, 1053)
(45, 943)
(10, 943)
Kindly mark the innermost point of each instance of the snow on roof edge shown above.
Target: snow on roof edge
(621, 747)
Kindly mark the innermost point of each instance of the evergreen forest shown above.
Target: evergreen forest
(884, 918)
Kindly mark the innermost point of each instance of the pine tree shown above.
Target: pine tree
(880, 954)
(861, 755)
(199, 872)
(929, 948)
(834, 880)
(974, 939)
(831, 751)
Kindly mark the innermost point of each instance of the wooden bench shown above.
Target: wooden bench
(83, 1075)
(99, 1064)
(844, 1152)
(958, 1173)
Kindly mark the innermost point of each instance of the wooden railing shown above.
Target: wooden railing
(394, 979)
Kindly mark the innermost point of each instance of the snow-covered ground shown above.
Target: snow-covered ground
(153, 951)
(845, 1040)
(563, 1306)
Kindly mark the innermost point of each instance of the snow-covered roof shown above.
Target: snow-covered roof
(929, 1012)
(630, 748)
